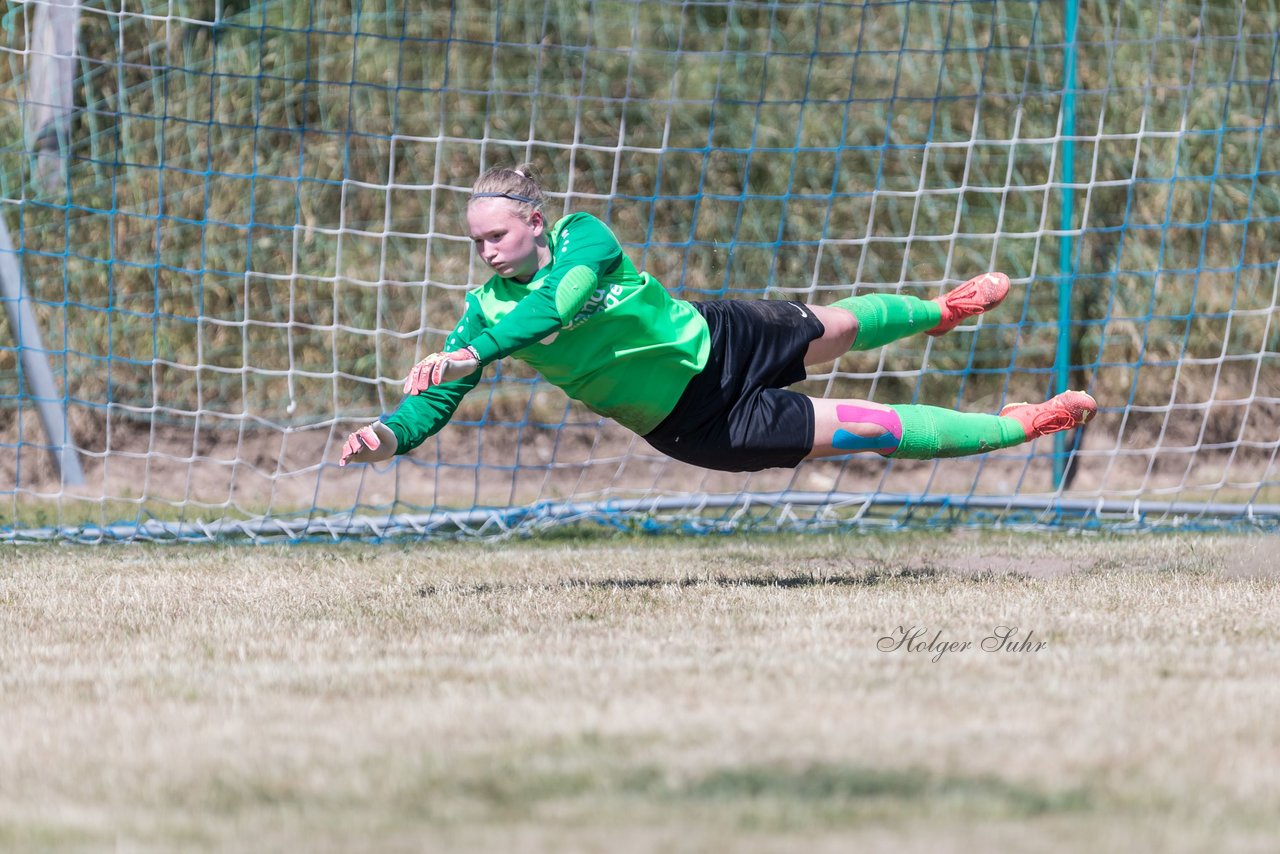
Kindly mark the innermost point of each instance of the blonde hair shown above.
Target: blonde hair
(520, 186)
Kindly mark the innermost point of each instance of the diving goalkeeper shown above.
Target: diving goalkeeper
(704, 383)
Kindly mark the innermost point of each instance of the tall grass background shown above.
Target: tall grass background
(263, 202)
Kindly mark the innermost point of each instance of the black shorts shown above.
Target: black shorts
(735, 414)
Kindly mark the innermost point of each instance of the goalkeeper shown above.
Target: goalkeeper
(702, 382)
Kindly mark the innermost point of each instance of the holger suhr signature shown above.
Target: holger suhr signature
(918, 639)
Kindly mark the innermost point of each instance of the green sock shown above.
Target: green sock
(887, 317)
(930, 432)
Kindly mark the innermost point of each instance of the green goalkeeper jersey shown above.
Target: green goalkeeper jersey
(589, 322)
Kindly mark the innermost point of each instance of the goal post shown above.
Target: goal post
(261, 230)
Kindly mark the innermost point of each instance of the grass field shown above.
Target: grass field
(633, 694)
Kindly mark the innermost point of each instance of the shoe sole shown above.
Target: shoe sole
(990, 289)
(1079, 406)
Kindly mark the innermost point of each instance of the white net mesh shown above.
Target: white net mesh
(259, 232)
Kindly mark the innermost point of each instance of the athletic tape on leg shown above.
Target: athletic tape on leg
(931, 432)
(887, 420)
(883, 318)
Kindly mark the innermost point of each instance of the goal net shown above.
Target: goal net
(233, 227)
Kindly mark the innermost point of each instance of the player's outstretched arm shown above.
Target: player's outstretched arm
(372, 443)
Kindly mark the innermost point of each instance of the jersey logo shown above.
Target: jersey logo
(601, 298)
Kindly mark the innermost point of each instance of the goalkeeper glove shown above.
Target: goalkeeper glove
(441, 368)
(363, 445)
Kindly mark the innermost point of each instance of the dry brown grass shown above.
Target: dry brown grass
(635, 694)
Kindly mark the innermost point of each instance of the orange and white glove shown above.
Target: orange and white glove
(362, 446)
(441, 368)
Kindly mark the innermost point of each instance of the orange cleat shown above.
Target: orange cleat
(1061, 412)
(975, 296)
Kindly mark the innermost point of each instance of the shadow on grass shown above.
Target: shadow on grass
(830, 793)
(847, 784)
(872, 578)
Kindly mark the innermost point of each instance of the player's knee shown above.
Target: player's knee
(840, 326)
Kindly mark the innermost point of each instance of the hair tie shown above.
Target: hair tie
(512, 196)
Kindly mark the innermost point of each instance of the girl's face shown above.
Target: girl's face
(505, 241)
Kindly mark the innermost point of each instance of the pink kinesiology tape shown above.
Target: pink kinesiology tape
(886, 418)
